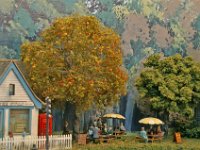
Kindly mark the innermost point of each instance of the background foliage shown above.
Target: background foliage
(167, 26)
(162, 26)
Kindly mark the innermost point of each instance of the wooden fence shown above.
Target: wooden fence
(59, 142)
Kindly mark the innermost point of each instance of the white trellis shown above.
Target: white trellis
(20, 143)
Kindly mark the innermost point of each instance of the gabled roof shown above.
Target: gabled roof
(17, 67)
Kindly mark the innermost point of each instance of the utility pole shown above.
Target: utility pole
(48, 114)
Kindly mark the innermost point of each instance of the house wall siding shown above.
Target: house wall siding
(22, 101)
(20, 93)
(33, 120)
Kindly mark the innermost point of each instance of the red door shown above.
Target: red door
(42, 124)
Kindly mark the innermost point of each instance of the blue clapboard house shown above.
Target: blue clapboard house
(19, 106)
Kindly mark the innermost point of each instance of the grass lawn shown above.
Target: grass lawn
(127, 143)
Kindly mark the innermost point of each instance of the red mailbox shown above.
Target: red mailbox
(42, 124)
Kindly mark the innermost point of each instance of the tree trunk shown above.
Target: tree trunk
(166, 117)
(69, 116)
(76, 128)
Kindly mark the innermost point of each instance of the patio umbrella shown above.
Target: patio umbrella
(151, 121)
(115, 116)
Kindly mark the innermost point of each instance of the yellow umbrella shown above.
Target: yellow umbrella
(116, 116)
(151, 121)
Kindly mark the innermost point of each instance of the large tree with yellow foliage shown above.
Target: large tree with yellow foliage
(77, 59)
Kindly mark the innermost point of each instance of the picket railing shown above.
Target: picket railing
(29, 142)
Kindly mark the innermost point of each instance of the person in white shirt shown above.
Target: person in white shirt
(122, 128)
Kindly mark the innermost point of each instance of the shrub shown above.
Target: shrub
(192, 133)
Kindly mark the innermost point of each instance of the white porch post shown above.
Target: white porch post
(6, 122)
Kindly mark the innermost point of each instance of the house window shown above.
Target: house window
(19, 120)
(11, 89)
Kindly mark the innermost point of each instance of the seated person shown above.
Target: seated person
(143, 134)
(159, 132)
(95, 133)
(90, 132)
(150, 131)
(99, 123)
(110, 131)
(105, 129)
(122, 128)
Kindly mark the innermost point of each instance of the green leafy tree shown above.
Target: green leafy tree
(170, 85)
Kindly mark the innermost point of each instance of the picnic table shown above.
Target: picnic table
(106, 138)
(155, 137)
(118, 133)
(151, 137)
